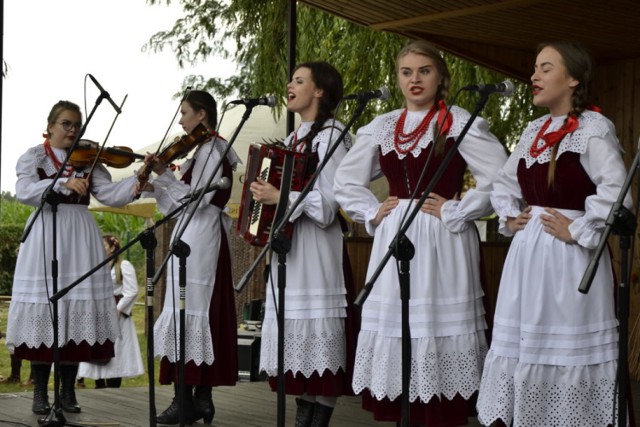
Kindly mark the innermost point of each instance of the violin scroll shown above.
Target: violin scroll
(177, 150)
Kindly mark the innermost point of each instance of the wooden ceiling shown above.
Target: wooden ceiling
(502, 34)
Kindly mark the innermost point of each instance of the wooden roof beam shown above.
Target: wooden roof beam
(423, 19)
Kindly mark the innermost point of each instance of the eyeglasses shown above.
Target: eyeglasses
(67, 125)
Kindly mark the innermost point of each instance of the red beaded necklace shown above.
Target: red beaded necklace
(552, 138)
(401, 139)
(68, 170)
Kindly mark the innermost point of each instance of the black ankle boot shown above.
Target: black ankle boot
(68, 400)
(171, 415)
(204, 404)
(304, 413)
(41, 374)
(321, 415)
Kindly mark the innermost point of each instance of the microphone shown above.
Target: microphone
(252, 102)
(222, 184)
(105, 94)
(382, 94)
(505, 88)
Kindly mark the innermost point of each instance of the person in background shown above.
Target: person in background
(127, 361)
(211, 326)
(553, 355)
(446, 312)
(319, 327)
(87, 321)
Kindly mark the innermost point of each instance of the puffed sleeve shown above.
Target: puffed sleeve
(169, 190)
(603, 163)
(129, 288)
(29, 186)
(320, 203)
(351, 185)
(506, 196)
(484, 156)
(108, 192)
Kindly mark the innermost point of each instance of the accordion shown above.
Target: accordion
(285, 169)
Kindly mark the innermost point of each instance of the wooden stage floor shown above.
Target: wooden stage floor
(249, 404)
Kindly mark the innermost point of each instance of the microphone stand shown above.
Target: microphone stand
(621, 222)
(182, 250)
(281, 245)
(56, 417)
(403, 250)
(148, 242)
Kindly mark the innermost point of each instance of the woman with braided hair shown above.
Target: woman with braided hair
(553, 355)
(318, 326)
(210, 317)
(446, 312)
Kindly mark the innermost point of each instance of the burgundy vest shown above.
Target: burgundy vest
(403, 174)
(571, 184)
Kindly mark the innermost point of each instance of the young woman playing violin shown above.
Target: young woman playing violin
(88, 322)
(211, 339)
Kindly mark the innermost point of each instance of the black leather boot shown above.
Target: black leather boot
(321, 415)
(68, 400)
(171, 415)
(203, 403)
(41, 374)
(304, 413)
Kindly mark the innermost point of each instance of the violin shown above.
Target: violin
(177, 150)
(88, 152)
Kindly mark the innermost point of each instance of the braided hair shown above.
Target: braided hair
(579, 64)
(329, 80)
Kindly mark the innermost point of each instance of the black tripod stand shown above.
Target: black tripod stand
(281, 246)
(403, 250)
(622, 223)
(55, 417)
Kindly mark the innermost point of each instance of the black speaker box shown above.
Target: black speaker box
(249, 357)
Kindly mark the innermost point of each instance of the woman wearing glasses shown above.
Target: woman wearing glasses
(87, 321)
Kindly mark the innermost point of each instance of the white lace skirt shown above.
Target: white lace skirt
(127, 361)
(88, 311)
(311, 345)
(553, 353)
(446, 314)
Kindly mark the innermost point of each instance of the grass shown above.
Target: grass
(139, 313)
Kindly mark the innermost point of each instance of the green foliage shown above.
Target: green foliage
(256, 32)
(14, 216)
(125, 227)
(9, 243)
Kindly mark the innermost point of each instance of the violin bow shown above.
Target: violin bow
(95, 161)
(164, 138)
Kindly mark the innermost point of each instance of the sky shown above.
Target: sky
(50, 46)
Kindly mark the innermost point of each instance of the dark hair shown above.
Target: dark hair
(201, 100)
(579, 64)
(57, 110)
(329, 80)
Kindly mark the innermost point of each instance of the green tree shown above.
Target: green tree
(254, 33)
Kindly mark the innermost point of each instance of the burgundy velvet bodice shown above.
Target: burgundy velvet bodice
(398, 171)
(73, 198)
(570, 188)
